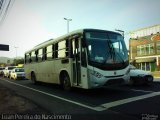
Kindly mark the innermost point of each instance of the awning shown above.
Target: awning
(145, 60)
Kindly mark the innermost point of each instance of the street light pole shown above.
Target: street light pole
(68, 20)
(16, 54)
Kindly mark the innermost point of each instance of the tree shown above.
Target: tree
(18, 61)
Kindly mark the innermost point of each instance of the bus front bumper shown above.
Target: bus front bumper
(104, 81)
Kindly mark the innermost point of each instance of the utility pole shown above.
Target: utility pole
(68, 20)
(16, 54)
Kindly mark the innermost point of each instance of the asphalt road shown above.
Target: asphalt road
(122, 102)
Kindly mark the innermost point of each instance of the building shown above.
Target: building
(144, 48)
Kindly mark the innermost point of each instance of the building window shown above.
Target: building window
(148, 66)
(152, 48)
(143, 66)
(158, 47)
(145, 49)
(138, 50)
(148, 49)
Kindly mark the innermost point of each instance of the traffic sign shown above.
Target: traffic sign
(4, 47)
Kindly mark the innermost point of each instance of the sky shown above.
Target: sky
(30, 22)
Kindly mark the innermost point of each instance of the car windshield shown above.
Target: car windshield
(132, 67)
(19, 70)
(106, 47)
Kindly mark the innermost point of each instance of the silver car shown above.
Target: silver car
(138, 76)
(17, 73)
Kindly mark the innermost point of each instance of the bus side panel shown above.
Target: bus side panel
(60, 66)
(84, 78)
(29, 68)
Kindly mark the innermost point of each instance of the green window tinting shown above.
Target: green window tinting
(158, 47)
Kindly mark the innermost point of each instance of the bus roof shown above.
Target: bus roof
(50, 41)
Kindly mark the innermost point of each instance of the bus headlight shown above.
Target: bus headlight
(97, 74)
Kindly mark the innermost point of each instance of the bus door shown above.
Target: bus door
(76, 61)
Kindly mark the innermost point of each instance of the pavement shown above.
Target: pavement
(156, 74)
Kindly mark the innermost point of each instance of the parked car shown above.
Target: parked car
(1, 70)
(138, 76)
(7, 70)
(17, 73)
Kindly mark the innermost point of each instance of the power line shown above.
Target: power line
(2, 7)
(1, 3)
(4, 15)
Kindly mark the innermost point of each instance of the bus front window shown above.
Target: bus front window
(106, 49)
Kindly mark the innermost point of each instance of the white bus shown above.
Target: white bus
(86, 58)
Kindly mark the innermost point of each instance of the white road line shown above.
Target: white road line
(141, 90)
(128, 100)
(101, 107)
(127, 89)
(64, 99)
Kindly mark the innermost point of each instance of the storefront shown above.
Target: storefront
(144, 48)
(148, 64)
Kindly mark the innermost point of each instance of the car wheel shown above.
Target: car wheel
(149, 80)
(131, 81)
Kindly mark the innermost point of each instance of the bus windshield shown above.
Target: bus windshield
(106, 48)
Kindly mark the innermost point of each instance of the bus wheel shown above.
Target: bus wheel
(33, 78)
(66, 82)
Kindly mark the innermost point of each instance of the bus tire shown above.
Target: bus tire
(33, 78)
(65, 81)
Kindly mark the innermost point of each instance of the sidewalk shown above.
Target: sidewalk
(156, 74)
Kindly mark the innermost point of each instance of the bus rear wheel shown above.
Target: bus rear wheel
(33, 78)
(66, 82)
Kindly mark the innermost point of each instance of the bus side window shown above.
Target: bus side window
(40, 55)
(83, 58)
(49, 52)
(33, 56)
(62, 49)
(36, 52)
(30, 60)
(56, 50)
(70, 49)
(27, 58)
(67, 48)
(53, 51)
(44, 54)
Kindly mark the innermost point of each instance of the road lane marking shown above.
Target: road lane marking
(141, 90)
(128, 100)
(101, 107)
(61, 98)
(128, 89)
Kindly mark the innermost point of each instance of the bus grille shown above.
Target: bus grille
(115, 82)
